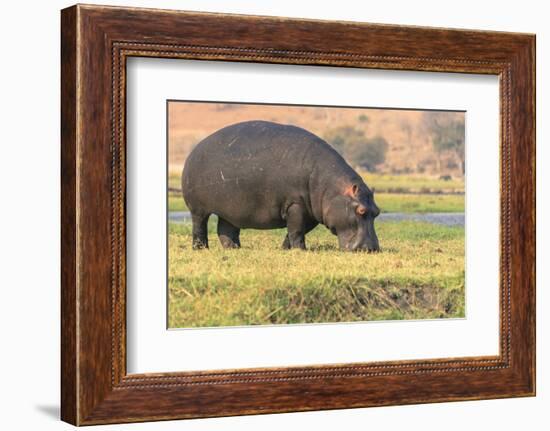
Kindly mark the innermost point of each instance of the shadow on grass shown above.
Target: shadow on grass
(323, 247)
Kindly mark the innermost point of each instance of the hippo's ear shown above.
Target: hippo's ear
(352, 191)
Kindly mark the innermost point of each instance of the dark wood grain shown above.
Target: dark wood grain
(69, 397)
(96, 41)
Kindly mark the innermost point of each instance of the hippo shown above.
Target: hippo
(265, 175)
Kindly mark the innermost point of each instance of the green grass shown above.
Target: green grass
(384, 182)
(176, 202)
(419, 274)
(388, 202)
(413, 203)
(174, 180)
(412, 183)
(439, 199)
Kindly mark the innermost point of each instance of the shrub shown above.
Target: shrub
(357, 149)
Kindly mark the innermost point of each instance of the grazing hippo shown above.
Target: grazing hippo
(264, 175)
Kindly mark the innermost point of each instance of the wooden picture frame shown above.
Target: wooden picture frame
(95, 43)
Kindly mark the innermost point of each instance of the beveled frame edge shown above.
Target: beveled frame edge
(95, 388)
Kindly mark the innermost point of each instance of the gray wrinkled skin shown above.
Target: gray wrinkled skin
(264, 175)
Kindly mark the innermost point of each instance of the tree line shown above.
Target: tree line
(446, 133)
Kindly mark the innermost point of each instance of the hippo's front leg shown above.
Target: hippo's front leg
(296, 223)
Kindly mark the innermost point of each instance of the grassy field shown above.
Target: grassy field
(388, 202)
(413, 183)
(384, 183)
(407, 196)
(419, 274)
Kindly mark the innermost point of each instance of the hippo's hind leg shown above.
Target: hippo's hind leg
(298, 225)
(200, 230)
(228, 234)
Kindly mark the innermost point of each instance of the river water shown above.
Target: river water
(445, 219)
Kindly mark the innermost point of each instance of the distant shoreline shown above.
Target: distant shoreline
(395, 191)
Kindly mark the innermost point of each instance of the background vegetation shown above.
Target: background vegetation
(362, 152)
(401, 142)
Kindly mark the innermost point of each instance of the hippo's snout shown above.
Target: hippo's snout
(370, 245)
(365, 238)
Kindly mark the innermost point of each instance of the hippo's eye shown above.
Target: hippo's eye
(361, 210)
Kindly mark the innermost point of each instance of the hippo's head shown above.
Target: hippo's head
(350, 215)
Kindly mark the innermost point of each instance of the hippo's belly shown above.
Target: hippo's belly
(245, 205)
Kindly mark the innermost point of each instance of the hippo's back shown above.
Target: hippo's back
(248, 172)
